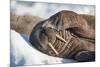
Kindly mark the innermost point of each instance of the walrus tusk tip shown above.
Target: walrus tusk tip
(53, 48)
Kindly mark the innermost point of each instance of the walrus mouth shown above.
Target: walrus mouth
(61, 45)
(62, 39)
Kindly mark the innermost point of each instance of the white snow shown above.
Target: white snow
(22, 53)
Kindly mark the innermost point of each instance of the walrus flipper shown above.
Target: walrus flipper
(85, 56)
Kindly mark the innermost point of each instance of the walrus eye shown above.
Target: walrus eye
(42, 30)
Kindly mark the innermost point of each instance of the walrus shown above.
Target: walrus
(23, 24)
(66, 34)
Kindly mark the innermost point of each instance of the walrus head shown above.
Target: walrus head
(64, 34)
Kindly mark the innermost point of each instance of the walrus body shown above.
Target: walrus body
(23, 24)
(90, 20)
(65, 34)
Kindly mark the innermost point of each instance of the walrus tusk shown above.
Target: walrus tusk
(59, 37)
(53, 48)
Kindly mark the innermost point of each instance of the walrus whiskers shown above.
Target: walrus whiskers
(53, 48)
(64, 40)
(67, 43)
(59, 37)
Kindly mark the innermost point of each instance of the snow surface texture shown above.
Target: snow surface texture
(22, 53)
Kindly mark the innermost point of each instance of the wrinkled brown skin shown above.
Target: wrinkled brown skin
(83, 46)
(90, 20)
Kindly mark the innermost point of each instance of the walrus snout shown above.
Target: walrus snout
(47, 38)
